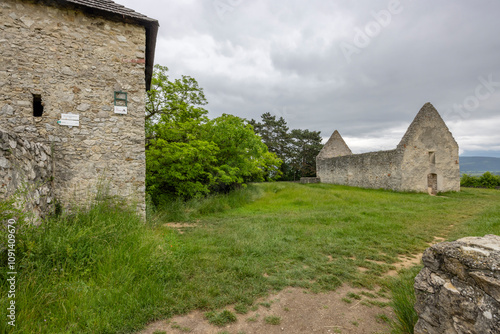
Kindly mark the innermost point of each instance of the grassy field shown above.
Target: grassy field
(104, 271)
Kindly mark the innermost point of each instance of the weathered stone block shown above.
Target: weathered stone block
(458, 290)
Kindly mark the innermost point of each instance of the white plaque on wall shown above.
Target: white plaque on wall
(120, 110)
(70, 117)
(68, 122)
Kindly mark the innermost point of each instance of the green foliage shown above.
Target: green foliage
(175, 101)
(297, 149)
(185, 170)
(242, 157)
(403, 300)
(304, 147)
(190, 156)
(487, 180)
(274, 134)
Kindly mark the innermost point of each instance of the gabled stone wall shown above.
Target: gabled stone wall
(75, 62)
(26, 172)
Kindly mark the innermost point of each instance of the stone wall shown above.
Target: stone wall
(26, 172)
(458, 291)
(369, 170)
(309, 180)
(75, 62)
(426, 159)
(429, 147)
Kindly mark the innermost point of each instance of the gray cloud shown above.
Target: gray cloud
(287, 57)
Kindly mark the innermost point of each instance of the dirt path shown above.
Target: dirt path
(299, 311)
(345, 310)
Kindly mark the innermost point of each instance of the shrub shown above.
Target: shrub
(487, 180)
(469, 181)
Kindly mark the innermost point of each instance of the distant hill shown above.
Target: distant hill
(479, 165)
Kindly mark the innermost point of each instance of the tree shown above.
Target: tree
(175, 101)
(297, 149)
(274, 134)
(188, 155)
(305, 146)
(242, 156)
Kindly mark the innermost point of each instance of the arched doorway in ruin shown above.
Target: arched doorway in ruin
(432, 184)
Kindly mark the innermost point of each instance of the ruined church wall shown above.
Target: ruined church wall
(429, 148)
(75, 62)
(417, 166)
(26, 173)
(368, 170)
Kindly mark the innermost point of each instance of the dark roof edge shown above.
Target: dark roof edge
(151, 26)
(151, 34)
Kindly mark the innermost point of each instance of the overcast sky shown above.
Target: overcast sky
(364, 68)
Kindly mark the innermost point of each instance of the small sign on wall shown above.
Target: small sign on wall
(120, 110)
(121, 102)
(69, 120)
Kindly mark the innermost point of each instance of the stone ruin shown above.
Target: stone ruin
(425, 160)
(458, 291)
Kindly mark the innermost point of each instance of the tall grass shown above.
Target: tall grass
(180, 210)
(72, 269)
(102, 270)
(403, 301)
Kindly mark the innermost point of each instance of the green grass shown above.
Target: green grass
(220, 319)
(403, 300)
(105, 271)
(272, 320)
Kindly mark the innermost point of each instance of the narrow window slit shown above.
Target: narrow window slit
(37, 105)
(432, 158)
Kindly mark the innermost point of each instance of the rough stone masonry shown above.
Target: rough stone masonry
(425, 160)
(458, 291)
(26, 168)
(70, 57)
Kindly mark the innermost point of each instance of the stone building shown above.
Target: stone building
(73, 76)
(426, 160)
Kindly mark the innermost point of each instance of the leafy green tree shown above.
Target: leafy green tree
(177, 101)
(297, 149)
(188, 155)
(180, 170)
(242, 156)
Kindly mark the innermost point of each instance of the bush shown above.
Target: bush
(487, 180)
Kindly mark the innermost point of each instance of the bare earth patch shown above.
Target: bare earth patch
(180, 226)
(301, 311)
(298, 311)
